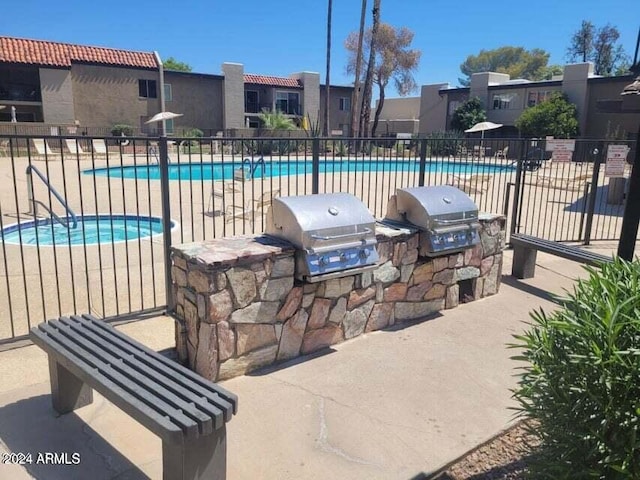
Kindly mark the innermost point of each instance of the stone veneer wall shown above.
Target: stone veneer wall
(240, 308)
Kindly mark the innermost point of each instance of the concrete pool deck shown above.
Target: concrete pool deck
(392, 404)
(114, 279)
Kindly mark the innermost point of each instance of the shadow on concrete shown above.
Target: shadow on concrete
(31, 426)
(328, 350)
(530, 289)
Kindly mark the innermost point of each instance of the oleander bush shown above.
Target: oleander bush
(581, 382)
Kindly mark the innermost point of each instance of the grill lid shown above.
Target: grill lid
(327, 218)
(443, 205)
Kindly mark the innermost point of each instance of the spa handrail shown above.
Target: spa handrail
(70, 213)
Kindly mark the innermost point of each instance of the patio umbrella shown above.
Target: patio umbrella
(482, 126)
(158, 117)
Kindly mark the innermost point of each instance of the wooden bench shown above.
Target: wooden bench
(186, 411)
(525, 248)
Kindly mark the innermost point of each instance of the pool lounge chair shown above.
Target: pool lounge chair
(476, 183)
(218, 191)
(42, 149)
(74, 147)
(99, 146)
(573, 184)
(253, 209)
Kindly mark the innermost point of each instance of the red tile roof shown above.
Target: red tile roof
(54, 54)
(272, 81)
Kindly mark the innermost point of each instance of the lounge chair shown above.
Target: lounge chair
(501, 153)
(99, 146)
(41, 147)
(252, 210)
(4, 148)
(74, 147)
(219, 190)
(573, 184)
(476, 183)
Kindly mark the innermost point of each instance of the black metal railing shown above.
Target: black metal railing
(153, 192)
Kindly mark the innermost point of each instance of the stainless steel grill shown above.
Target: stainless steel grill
(447, 216)
(334, 234)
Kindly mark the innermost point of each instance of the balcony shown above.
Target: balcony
(288, 109)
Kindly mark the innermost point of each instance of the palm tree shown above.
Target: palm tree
(365, 114)
(353, 118)
(276, 120)
(327, 78)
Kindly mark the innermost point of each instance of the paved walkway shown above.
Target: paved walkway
(388, 405)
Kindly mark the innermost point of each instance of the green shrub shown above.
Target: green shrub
(121, 129)
(581, 384)
(444, 144)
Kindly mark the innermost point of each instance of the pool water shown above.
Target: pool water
(90, 230)
(224, 171)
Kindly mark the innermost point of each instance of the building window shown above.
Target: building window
(505, 101)
(345, 104)
(251, 101)
(169, 125)
(168, 92)
(453, 106)
(535, 98)
(147, 89)
(288, 102)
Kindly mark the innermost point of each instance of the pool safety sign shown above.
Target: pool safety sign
(562, 149)
(616, 160)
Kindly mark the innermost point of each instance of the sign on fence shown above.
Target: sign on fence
(616, 160)
(562, 149)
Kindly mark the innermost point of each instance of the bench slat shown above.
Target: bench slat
(129, 404)
(105, 371)
(184, 387)
(195, 378)
(208, 402)
(566, 251)
(122, 362)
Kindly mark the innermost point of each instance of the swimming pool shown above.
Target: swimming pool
(224, 171)
(90, 230)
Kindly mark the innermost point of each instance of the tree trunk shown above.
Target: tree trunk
(328, 77)
(365, 114)
(355, 100)
(378, 111)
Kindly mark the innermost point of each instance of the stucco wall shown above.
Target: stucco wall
(433, 108)
(337, 117)
(599, 122)
(199, 98)
(57, 95)
(104, 96)
(233, 104)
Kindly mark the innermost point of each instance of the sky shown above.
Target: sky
(278, 37)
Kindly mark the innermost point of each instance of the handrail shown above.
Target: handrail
(55, 193)
(253, 166)
(53, 215)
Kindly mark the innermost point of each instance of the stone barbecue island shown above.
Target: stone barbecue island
(239, 307)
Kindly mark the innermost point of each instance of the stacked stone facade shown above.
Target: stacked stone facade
(239, 306)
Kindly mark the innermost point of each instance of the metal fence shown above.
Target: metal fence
(60, 194)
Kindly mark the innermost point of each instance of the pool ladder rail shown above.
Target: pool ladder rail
(33, 203)
(248, 169)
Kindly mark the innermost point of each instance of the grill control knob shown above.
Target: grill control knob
(323, 260)
(343, 257)
(363, 254)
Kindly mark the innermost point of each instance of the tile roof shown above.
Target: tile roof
(54, 54)
(272, 81)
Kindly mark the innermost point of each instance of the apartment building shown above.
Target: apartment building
(78, 86)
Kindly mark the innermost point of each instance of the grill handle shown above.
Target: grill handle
(453, 222)
(366, 231)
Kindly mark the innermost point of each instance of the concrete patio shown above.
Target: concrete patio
(392, 404)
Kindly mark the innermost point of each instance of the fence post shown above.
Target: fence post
(423, 162)
(166, 220)
(592, 200)
(315, 165)
(516, 196)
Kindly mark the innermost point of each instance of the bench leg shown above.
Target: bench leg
(204, 458)
(524, 262)
(68, 392)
